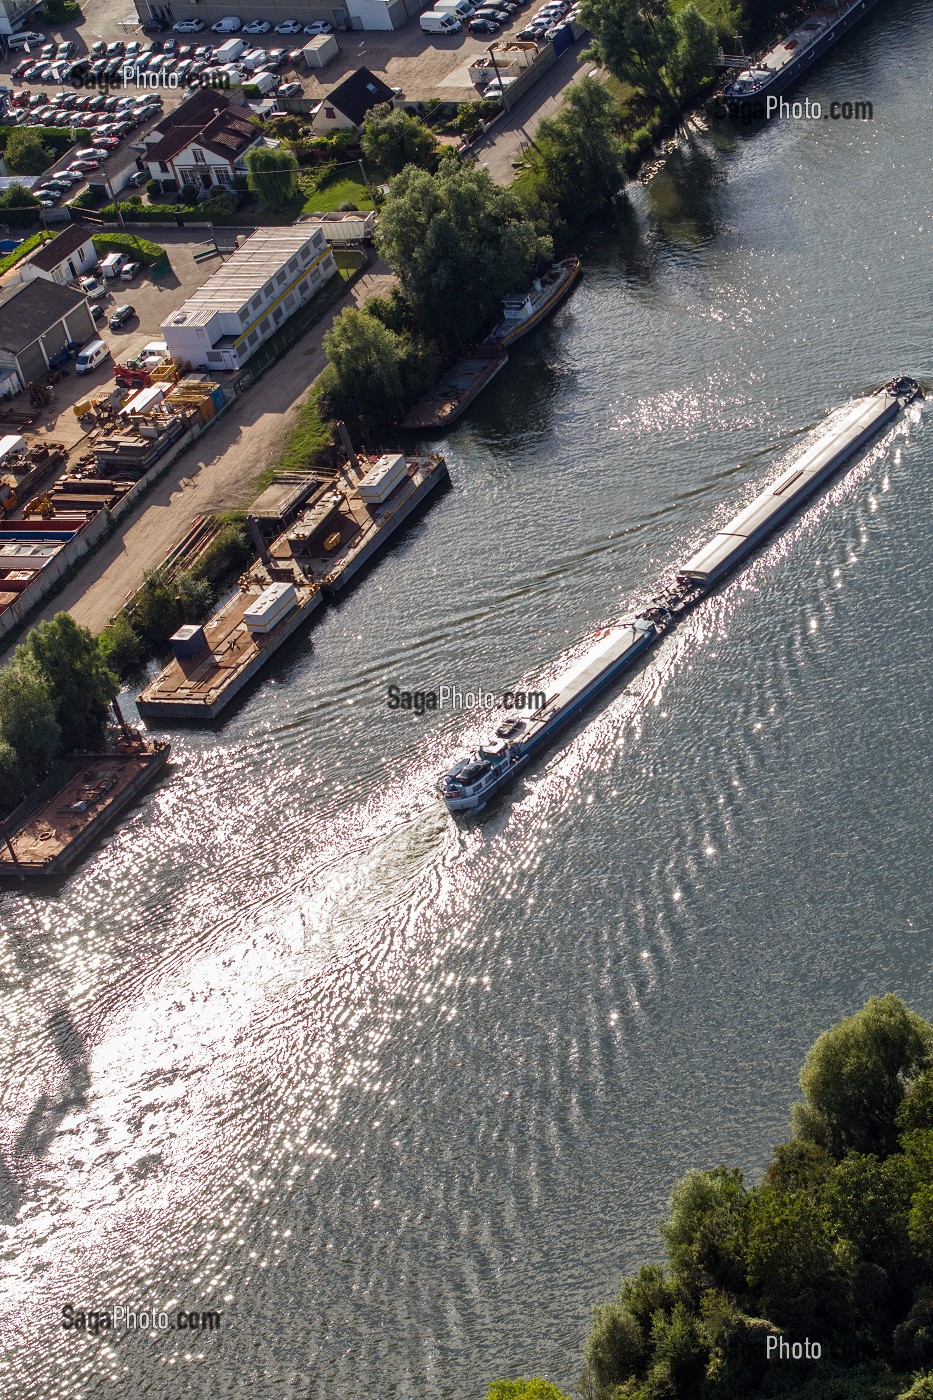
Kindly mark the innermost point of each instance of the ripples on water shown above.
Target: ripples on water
(403, 1097)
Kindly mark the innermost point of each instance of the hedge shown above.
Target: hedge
(25, 247)
(139, 249)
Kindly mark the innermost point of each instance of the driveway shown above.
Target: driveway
(500, 149)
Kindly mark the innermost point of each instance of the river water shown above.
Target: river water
(403, 1098)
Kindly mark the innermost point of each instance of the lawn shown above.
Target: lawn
(347, 188)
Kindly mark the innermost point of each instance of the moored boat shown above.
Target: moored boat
(525, 310)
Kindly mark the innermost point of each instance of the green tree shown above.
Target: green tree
(392, 138)
(26, 153)
(576, 160)
(120, 646)
(18, 206)
(534, 1389)
(80, 685)
(616, 1348)
(856, 1075)
(459, 244)
(29, 731)
(705, 1229)
(273, 175)
(693, 58)
(366, 360)
(635, 40)
(792, 1268)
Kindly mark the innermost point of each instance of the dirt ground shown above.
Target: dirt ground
(216, 474)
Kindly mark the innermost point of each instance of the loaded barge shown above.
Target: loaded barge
(792, 57)
(474, 779)
(327, 545)
(44, 836)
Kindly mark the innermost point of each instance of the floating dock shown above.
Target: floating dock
(340, 530)
(44, 836)
(472, 781)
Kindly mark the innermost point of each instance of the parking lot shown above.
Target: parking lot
(423, 66)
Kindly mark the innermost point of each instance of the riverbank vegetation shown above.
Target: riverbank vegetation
(833, 1247)
(54, 694)
(176, 593)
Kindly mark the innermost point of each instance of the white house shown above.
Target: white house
(273, 273)
(64, 258)
(206, 147)
(346, 107)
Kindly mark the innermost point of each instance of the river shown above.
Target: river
(403, 1098)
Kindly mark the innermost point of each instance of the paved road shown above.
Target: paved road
(216, 474)
(504, 144)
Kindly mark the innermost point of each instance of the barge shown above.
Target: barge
(339, 531)
(475, 778)
(789, 59)
(43, 837)
(444, 404)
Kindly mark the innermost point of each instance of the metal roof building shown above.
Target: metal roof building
(272, 274)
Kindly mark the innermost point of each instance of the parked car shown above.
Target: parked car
(154, 26)
(257, 26)
(93, 287)
(228, 25)
(138, 178)
(120, 317)
(529, 35)
(276, 59)
(289, 90)
(189, 26)
(66, 49)
(129, 271)
(97, 311)
(482, 25)
(319, 26)
(288, 26)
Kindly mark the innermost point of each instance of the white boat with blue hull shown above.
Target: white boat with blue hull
(472, 780)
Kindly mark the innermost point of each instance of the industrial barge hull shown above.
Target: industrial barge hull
(472, 781)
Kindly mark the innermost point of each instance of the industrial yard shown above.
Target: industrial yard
(97, 446)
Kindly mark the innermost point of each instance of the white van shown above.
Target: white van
(436, 22)
(229, 52)
(461, 8)
(265, 82)
(93, 354)
(27, 40)
(228, 25)
(113, 265)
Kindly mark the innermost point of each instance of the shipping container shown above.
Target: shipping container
(382, 479)
(269, 609)
(188, 641)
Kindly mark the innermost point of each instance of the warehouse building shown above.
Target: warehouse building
(273, 273)
(37, 320)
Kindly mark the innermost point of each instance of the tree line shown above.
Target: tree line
(834, 1245)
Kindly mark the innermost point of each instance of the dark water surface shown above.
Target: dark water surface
(403, 1098)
